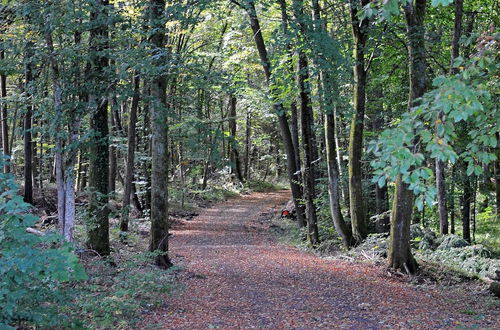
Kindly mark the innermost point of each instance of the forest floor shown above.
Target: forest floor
(235, 274)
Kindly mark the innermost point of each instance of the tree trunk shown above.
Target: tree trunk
(248, 132)
(360, 35)
(466, 206)
(400, 256)
(280, 112)
(234, 155)
(159, 134)
(28, 148)
(452, 201)
(440, 165)
(113, 161)
(333, 183)
(98, 222)
(3, 115)
(131, 143)
(308, 139)
(441, 195)
(64, 181)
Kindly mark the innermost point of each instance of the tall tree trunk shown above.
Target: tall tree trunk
(113, 159)
(28, 148)
(333, 182)
(293, 177)
(248, 132)
(234, 155)
(452, 200)
(64, 172)
(308, 138)
(98, 222)
(360, 35)
(131, 143)
(159, 134)
(466, 205)
(441, 195)
(440, 165)
(3, 115)
(308, 173)
(400, 256)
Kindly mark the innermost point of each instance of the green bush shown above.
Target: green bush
(33, 268)
(422, 238)
(448, 242)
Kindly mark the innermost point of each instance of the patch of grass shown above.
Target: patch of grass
(467, 312)
(488, 230)
(116, 297)
(263, 186)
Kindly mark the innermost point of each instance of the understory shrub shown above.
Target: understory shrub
(453, 251)
(33, 269)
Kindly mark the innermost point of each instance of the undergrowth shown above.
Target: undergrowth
(118, 296)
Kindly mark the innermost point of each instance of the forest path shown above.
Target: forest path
(236, 276)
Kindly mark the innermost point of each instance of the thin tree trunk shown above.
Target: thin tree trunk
(3, 115)
(308, 139)
(131, 143)
(159, 134)
(400, 256)
(65, 195)
(28, 148)
(333, 183)
(113, 161)
(452, 202)
(360, 35)
(248, 132)
(466, 206)
(234, 155)
(441, 195)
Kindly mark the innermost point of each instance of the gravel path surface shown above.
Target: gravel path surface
(236, 276)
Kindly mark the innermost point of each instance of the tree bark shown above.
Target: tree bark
(131, 144)
(466, 206)
(441, 195)
(3, 115)
(64, 172)
(360, 35)
(308, 138)
(98, 222)
(234, 154)
(159, 134)
(28, 148)
(333, 183)
(113, 158)
(400, 256)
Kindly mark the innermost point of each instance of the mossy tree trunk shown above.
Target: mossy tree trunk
(98, 222)
(159, 148)
(360, 35)
(400, 256)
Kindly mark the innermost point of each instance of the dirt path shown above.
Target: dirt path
(237, 277)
